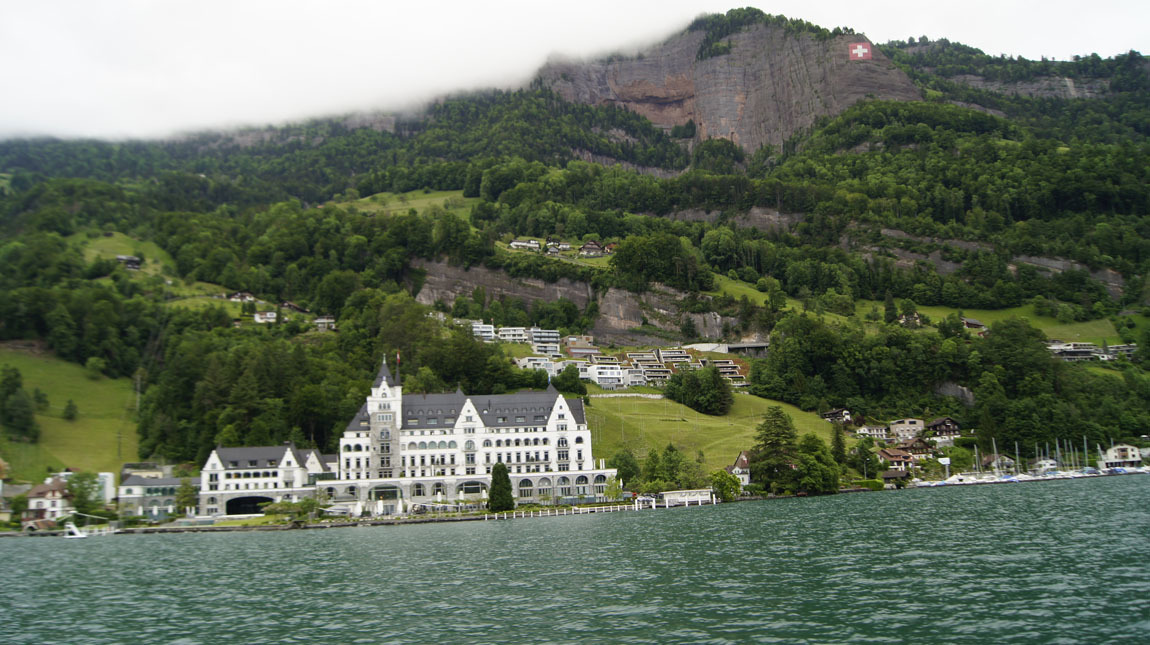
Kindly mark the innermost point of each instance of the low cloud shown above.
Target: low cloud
(119, 69)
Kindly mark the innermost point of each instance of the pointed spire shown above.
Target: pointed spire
(384, 375)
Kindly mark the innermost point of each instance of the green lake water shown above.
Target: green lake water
(1050, 562)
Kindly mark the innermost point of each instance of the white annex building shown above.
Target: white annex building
(401, 449)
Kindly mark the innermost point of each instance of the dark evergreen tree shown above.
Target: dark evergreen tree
(838, 445)
(501, 498)
(772, 460)
(70, 410)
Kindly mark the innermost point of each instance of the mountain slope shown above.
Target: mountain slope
(771, 82)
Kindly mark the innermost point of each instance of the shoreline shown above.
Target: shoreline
(509, 515)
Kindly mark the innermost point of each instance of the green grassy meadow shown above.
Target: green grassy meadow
(451, 201)
(155, 258)
(642, 424)
(101, 438)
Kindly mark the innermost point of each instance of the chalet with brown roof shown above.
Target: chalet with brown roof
(591, 249)
(48, 501)
(288, 304)
(944, 431)
(898, 459)
(837, 415)
(918, 448)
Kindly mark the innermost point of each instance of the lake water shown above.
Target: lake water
(1048, 562)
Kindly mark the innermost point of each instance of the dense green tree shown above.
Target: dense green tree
(772, 460)
(500, 497)
(186, 496)
(84, 489)
(626, 466)
(863, 458)
(725, 485)
(816, 469)
(703, 390)
(71, 411)
(568, 381)
(18, 417)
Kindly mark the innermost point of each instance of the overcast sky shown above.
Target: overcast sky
(120, 68)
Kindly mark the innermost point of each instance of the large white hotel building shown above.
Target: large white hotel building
(418, 449)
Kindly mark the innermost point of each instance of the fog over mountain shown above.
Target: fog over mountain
(136, 69)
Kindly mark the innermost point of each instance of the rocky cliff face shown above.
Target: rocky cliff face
(445, 282)
(1042, 87)
(769, 86)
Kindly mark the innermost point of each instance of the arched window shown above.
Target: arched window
(516, 443)
(422, 445)
(351, 490)
(600, 484)
(330, 491)
(578, 439)
(443, 445)
(562, 442)
(438, 489)
(536, 443)
(451, 445)
(411, 446)
(486, 443)
(564, 487)
(417, 490)
(581, 485)
(525, 488)
(498, 443)
(470, 445)
(358, 448)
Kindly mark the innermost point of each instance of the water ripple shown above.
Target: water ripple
(1050, 562)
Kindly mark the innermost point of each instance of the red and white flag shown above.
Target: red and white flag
(859, 51)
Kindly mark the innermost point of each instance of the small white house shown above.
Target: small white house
(1121, 456)
(265, 317)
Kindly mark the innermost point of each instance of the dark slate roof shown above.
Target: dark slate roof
(384, 375)
(422, 408)
(136, 480)
(361, 419)
(445, 408)
(260, 454)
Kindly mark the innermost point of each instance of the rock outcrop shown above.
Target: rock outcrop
(771, 84)
(445, 282)
(1060, 87)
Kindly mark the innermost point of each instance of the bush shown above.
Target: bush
(873, 484)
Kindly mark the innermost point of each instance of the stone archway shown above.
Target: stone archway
(246, 505)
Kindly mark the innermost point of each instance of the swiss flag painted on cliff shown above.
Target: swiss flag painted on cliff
(859, 51)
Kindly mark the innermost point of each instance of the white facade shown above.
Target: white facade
(1121, 456)
(512, 334)
(878, 433)
(608, 377)
(234, 481)
(440, 448)
(264, 317)
(483, 332)
(544, 341)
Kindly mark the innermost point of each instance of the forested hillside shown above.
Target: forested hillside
(965, 199)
